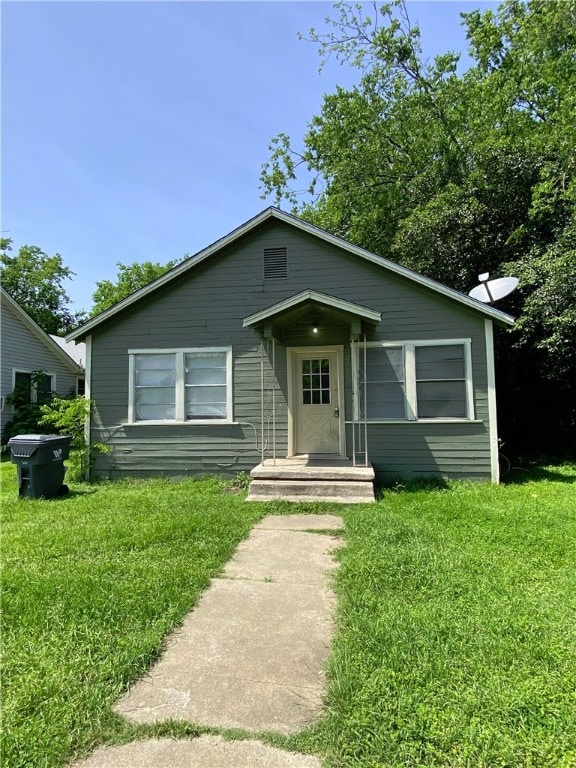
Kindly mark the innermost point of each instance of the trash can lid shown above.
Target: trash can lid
(34, 438)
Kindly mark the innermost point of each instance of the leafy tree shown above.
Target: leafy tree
(35, 280)
(454, 174)
(130, 278)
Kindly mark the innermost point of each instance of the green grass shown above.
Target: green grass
(456, 641)
(456, 627)
(92, 582)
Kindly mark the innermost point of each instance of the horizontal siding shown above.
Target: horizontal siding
(23, 351)
(208, 307)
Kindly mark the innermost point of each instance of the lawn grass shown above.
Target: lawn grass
(91, 584)
(456, 628)
(456, 641)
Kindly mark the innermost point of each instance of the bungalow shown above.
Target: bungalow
(287, 352)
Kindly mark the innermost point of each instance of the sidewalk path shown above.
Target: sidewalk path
(251, 654)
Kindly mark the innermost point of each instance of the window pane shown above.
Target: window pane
(154, 362)
(385, 393)
(155, 412)
(385, 401)
(385, 364)
(206, 411)
(445, 362)
(155, 395)
(316, 381)
(23, 387)
(156, 378)
(206, 379)
(155, 387)
(445, 399)
(206, 395)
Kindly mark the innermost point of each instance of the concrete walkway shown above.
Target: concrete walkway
(251, 655)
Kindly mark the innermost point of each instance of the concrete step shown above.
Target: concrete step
(342, 473)
(343, 492)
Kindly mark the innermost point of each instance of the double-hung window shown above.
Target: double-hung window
(181, 385)
(414, 380)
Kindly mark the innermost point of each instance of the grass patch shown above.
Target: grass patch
(456, 642)
(92, 582)
(456, 626)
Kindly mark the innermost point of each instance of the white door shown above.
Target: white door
(316, 402)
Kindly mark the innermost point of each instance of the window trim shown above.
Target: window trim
(180, 353)
(409, 347)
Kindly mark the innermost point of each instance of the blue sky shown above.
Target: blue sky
(136, 131)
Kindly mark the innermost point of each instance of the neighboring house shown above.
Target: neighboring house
(282, 341)
(25, 348)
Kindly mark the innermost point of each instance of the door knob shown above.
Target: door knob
(336, 412)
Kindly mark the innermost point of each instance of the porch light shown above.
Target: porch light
(314, 325)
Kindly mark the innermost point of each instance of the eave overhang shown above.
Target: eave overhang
(295, 307)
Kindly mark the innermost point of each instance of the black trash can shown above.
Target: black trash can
(40, 462)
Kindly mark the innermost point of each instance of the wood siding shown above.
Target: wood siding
(206, 307)
(23, 351)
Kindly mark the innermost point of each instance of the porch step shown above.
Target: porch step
(342, 472)
(336, 491)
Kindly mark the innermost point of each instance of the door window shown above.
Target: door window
(316, 381)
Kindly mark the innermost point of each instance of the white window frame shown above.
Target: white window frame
(180, 354)
(409, 348)
(33, 390)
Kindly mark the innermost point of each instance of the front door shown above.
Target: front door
(316, 407)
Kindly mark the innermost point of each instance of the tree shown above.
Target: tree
(130, 278)
(454, 174)
(35, 281)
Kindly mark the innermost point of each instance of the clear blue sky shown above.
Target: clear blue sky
(136, 131)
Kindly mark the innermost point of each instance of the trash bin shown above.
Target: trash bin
(40, 462)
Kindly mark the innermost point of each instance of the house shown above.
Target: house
(288, 352)
(26, 348)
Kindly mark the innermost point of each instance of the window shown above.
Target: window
(441, 382)
(181, 385)
(316, 381)
(33, 386)
(414, 381)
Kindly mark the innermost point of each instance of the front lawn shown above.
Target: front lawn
(91, 584)
(456, 627)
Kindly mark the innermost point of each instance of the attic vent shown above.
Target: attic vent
(275, 263)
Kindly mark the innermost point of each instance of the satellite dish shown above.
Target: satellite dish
(491, 290)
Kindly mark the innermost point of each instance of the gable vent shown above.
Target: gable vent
(275, 263)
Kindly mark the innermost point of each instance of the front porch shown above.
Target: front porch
(304, 478)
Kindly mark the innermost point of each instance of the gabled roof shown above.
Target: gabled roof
(41, 335)
(270, 214)
(76, 351)
(314, 297)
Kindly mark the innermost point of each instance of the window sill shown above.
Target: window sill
(418, 421)
(170, 423)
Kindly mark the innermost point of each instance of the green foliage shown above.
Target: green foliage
(453, 174)
(67, 416)
(27, 413)
(35, 281)
(454, 644)
(130, 278)
(92, 582)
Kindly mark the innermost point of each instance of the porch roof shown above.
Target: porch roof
(298, 306)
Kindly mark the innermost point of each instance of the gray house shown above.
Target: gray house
(27, 348)
(288, 352)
